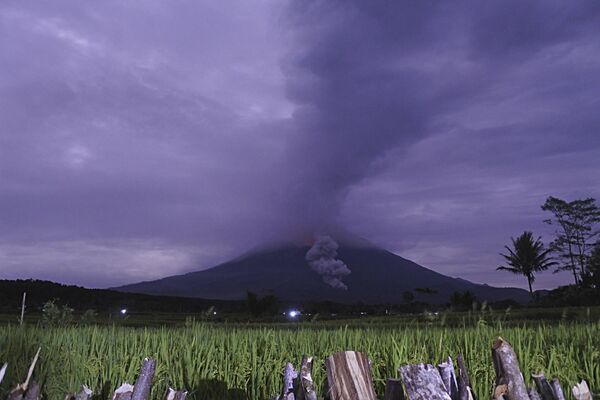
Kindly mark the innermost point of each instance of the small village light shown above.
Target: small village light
(293, 313)
(123, 311)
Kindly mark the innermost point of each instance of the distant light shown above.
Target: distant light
(214, 313)
(293, 313)
(123, 311)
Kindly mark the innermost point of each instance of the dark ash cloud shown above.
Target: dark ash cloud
(149, 139)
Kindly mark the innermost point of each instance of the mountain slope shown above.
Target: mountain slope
(378, 276)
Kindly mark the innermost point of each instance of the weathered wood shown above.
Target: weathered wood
(33, 392)
(446, 370)
(289, 374)
(558, 392)
(499, 392)
(305, 389)
(123, 392)
(533, 394)
(143, 384)
(349, 376)
(3, 371)
(85, 393)
(19, 392)
(543, 387)
(423, 382)
(173, 394)
(581, 391)
(465, 391)
(508, 371)
(393, 390)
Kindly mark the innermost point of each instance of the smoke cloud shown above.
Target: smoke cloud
(322, 258)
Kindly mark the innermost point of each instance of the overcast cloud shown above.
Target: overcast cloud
(144, 139)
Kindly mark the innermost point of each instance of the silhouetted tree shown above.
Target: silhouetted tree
(592, 277)
(527, 257)
(575, 223)
(461, 301)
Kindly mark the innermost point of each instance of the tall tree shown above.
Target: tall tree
(575, 222)
(527, 257)
(592, 277)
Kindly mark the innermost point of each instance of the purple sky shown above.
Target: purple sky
(144, 139)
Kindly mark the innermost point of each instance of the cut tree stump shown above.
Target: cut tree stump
(508, 372)
(533, 394)
(558, 392)
(305, 388)
(545, 390)
(446, 370)
(423, 382)
(20, 391)
(143, 384)
(393, 390)
(123, 392)
(289, 375)
(581, 391)
(465, 390)
(349, 377)
(3, 371)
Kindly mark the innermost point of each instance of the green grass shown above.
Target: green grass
(219, 361)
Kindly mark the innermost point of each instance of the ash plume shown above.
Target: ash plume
(322, 258)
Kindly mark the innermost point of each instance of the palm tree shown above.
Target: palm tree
(527, 257)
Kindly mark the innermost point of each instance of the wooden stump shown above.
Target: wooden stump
(545, 390)
(465, 390)
(123, 392)
(305, 389)
(423, 382)
(448, 375)
(289, 375)
(143, 384)
(508, 372)
(393, 390)
(3, 371)
(349, 377)
(581, 391)
(558, 392)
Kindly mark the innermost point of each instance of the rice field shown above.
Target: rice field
(234, 362)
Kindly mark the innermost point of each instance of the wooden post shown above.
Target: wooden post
(446, 370)
(423, 382)
(393, 390)
(289, 375)
(23, 309)
(173, 394)
(305, 389)
(143, 384)
(349, 377)
(465, 391)
(508, 372)
(21, 389)
(558, 392)
(533, 394)
(3, 371)
(581, 391)
(543, 387)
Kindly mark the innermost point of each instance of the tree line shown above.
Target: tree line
(575, 247)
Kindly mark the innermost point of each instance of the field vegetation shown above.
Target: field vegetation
(239, 361)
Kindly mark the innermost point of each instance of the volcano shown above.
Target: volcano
(377, 277)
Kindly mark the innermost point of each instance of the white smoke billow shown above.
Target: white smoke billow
(321, 258)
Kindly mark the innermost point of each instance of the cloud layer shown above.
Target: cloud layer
(145, 139)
